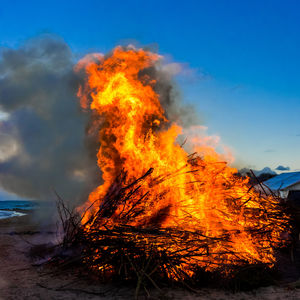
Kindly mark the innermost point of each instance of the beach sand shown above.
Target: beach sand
(21, 279)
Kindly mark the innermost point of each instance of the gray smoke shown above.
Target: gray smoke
(42, 141)
(170, 96)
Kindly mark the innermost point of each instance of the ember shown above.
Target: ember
(162, 212)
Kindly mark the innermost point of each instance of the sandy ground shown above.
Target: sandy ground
(21, 279)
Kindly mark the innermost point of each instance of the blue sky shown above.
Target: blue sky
(245, 83)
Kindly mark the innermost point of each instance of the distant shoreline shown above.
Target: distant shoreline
(10, 213)
(23, 211)
(16, 208)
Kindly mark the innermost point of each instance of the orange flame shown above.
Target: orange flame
(189, 193)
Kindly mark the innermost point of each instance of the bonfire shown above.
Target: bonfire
(161, 214)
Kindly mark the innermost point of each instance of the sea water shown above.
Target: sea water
(8, 208)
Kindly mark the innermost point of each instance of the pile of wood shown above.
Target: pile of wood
(152, 254)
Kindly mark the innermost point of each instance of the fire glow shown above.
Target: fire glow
(165, 187)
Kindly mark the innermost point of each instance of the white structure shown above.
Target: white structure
(284, 183)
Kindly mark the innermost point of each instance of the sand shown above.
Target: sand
(21, 278)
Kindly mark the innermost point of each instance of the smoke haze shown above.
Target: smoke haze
(44, 145)
(42, 141)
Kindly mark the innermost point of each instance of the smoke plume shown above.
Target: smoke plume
(42, 140)
(44, 145)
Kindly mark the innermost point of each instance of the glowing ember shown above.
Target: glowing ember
(185, 193)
